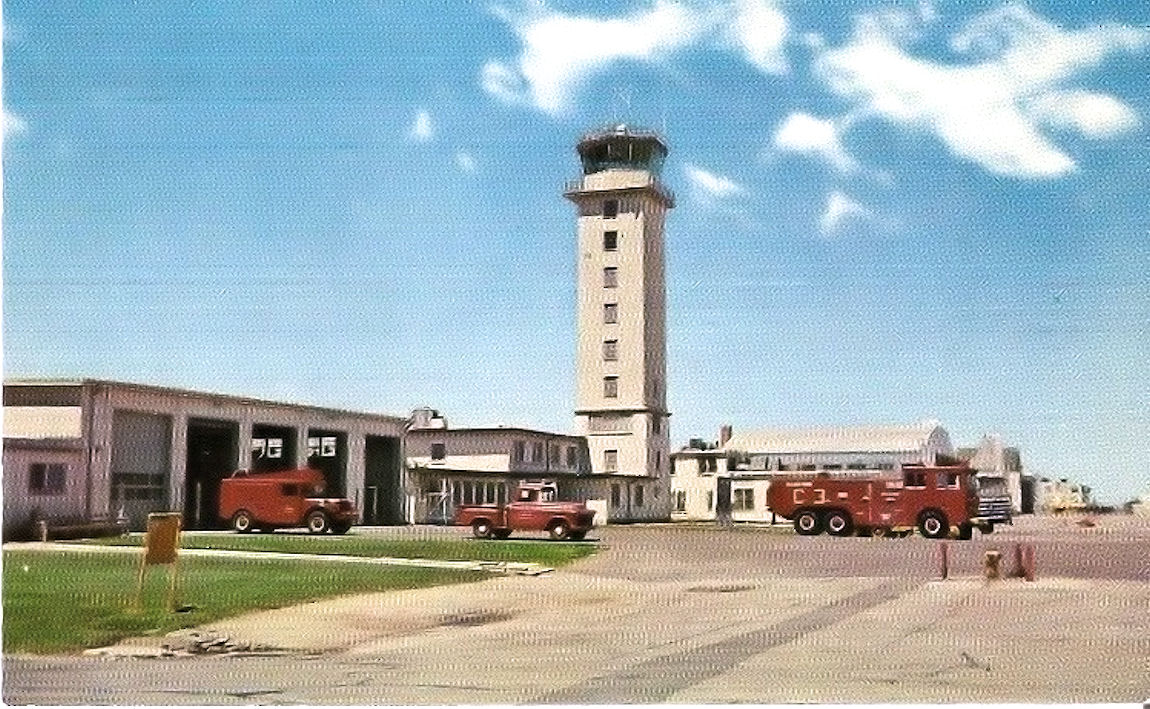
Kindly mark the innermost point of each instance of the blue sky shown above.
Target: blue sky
(887, 211)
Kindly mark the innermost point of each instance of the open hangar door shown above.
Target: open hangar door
(327, 453)
(141, 465)
(382, 485)
(273, 448)
(212, 454)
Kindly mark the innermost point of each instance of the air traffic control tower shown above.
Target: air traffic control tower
(621, 351)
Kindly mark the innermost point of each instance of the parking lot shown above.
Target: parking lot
(691, 615)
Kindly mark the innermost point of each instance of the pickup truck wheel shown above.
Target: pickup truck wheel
(481, 528)
(932, 524)
(839, 524)
(558, 530)
(808, 524)
(242, 521)
(317, 522)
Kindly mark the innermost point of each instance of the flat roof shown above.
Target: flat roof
(240, 399)
(500, 429)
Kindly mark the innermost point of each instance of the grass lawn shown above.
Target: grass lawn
(540, 552)
(63, 602)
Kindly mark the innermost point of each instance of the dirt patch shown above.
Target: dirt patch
(721, 588)
(473, 618)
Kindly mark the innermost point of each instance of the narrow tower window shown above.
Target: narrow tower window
(611, 465)
(610, 277)
(610, 350)
(611, 387)
(610, 240)
(611, 313)
(610, 208)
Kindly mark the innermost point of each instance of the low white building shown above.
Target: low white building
(1052, 496)
(449, 467)
(729, 481)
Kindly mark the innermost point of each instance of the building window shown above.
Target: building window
(610, 240)
(639, 496)
(656, 424)
(610, 208)
(743, 499)
(438, 451)
(571, 453)
(611, 461)
(615, 496)
(555, 454)
(658, 461)
(610, 350)
(610, 277)
(47, 479)
(680, 500)
(611, 387)
(710, 500)
(518, 451)
(537, 453)
(611, 313)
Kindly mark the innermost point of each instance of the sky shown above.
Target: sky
(886, 211)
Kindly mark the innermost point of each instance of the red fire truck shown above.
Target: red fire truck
(934, 499)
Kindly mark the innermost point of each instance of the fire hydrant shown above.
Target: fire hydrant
(993, 557)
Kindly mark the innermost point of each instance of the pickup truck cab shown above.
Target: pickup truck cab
(286, 498)
(534, 508)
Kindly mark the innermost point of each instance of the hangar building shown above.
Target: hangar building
(85, 449)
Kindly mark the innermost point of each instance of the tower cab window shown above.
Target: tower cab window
(610, 241)
(610, 208)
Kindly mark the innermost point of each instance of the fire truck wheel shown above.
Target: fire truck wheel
(558, 530)
(932, 524)
(317, 522)
(242, 521)
(839, 524)
(481, 528)
(808, 524)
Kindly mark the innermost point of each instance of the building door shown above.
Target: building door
(141, 465)
(723, 500)
(383, 493)
(212, 456)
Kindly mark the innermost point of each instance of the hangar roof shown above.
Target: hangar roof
(837, 439)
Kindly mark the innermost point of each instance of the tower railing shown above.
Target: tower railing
(575, 186)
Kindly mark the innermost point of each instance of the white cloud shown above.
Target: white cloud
(561, 52)
(14, 125)
(708, 187)
(816, 137)
(422, 129)
(760, 29)
(465, 161)
(990, 112)
(841, 209)
(1091, 114)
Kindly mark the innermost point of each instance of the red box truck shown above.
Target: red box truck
(285, 498)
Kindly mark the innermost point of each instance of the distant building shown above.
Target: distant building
(1061, 495)
(84, 449)
(729, 481)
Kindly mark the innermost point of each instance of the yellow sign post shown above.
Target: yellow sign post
(161, 546)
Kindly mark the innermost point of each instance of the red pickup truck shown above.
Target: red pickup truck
(286, 498)
(534, 508)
